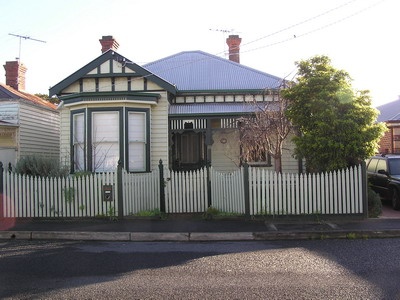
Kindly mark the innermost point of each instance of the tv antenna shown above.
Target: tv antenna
(25, 38)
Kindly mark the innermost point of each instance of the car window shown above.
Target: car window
(394, 166)
(372, 165)
(381, 165)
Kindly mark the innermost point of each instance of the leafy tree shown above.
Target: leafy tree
(265, 132)
(337, 125)
(54, 100)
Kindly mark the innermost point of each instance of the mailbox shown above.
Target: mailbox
(108, 193)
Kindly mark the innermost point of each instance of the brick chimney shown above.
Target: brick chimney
(108, 42)
(15, 75)
(233, 42)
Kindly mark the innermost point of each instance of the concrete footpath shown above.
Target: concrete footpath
(192, 229)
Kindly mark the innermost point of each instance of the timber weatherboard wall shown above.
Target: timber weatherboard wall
(37, 131)
(113, 85)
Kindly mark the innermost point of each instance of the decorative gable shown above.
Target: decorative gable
(110, 73)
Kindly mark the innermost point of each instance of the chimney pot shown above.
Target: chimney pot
(233, 42)
(108, 42)
(15, 75)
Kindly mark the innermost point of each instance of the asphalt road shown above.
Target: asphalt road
(321, 269)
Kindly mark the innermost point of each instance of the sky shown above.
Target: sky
(59, 37)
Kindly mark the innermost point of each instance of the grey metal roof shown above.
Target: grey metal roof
(216, 108)
(389, 111)
(200, 71)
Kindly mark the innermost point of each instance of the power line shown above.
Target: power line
(300, 23)
(279, 31)
(313, 30)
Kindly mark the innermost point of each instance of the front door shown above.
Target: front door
(189, 150)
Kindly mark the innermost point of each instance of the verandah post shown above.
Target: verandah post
(246, 190)
(162, 187)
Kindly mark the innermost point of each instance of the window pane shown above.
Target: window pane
(137, 128)
(105, 141)
(137, 157)
(105, 127)
(78, 141)
(137, 141)
(105, 157)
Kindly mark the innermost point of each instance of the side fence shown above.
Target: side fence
(247, 191)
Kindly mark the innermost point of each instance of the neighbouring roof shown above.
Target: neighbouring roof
(200, 71)
(389, 111)
(8, 93)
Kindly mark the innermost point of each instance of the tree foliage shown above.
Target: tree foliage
(53, 100)
(337, 125)
(265, 132)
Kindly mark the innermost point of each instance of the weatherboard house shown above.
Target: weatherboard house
(182, 109)
(29, 125)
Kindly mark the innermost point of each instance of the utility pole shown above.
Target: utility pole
(26, 38)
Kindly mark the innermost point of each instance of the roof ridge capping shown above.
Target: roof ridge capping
(199, 70)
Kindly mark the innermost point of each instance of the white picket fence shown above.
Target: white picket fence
(141, 192)
(228, 191)
(339, 192)
(75, 196)
(252, 191)
(186, 191)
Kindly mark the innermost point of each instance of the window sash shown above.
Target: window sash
(137, 141)
(105, 141)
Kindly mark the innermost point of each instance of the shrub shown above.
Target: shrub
(374, 204)
(40, 166)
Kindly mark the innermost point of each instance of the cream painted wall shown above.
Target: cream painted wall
(158, 126)
(225, 150)
(225, 155)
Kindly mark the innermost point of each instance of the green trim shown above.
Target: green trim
(147, 143)
(90, 112)
(75, 98)
(72, 150)
(109, 55)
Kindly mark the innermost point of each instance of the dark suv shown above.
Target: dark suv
(384, 177)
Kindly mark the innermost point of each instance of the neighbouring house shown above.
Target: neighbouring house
(29, 125)
(183, 109)
(390, 114)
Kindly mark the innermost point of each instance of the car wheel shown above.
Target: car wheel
(395, 199)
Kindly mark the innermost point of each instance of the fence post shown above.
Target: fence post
(1, 190)
(120, 192)
(364, 180)
(246, 190)
(209, 200)
(162, 187)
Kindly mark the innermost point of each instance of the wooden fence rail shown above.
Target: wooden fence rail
(248, 190)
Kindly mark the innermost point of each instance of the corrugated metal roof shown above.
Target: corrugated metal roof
(216, 108)
(200, 71)
(389, 111)
(7, 92)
